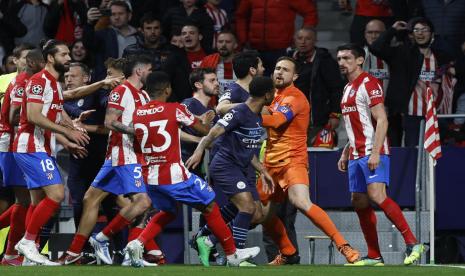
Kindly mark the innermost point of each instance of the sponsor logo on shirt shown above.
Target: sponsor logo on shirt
(57, 106)
(375, 93)
(348, 109)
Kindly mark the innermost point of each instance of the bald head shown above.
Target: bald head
(373, 29)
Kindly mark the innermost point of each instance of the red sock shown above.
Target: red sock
(276, 230)
(221, 231)
(367, 218)
(151, 245)
(155, 225)
(17, 228)
(394, 214)
(116, 224)
(78, 244)
(5, 217)
(42, 213)
(324, 222)
(30, 210)
(134, 232)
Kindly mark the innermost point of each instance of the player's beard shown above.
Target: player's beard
(224, 53)
(209, 92)
(61, 68)
(282, 85)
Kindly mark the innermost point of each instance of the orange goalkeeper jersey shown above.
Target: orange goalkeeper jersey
(287, 128)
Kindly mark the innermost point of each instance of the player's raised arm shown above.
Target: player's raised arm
(206, 141)
(379, 114)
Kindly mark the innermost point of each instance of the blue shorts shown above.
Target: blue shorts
(193, 192)
(232, 179)
(39, 169)
(12, 175)
(360, 176)
(120, 180)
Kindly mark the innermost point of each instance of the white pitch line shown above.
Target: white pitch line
(452, 266)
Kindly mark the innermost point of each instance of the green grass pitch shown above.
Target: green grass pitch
(189, 270)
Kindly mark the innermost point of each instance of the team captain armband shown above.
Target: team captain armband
(286, 110)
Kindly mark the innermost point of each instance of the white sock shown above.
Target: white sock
(101, 237)
(208, 242)
(155, 252)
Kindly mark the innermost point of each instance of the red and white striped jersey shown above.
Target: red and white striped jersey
(44, 89)
(126, 98)
(13, 96)
(220, 19)
(358, 97)
(376, 67)
(225, 74)
(417, 103)
(157, 126)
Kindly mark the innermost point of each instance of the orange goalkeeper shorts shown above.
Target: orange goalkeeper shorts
(283, 178)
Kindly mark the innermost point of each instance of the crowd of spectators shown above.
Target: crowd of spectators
(409, 45)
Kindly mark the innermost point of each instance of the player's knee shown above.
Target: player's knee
(377, 197)
(301, 203)
(247, 207)
(359, 202)
(144, 203)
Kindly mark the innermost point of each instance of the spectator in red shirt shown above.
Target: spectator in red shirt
(365, 11)
(268, 26)
(222, 60)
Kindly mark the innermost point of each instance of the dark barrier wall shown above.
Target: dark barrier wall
(329, 189)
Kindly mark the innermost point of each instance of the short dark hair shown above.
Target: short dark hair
(243, 61)
(420, 20)
(227, 31)
(20, 48)
(116, 63)
(296, 65)
(191, 23)
(121, 3)
(198, 75)
(259, 86)
(156, 83)
(85, 69)
(50, 47)
(148, 18)
(133, 61)
(35, 55)
(355, 49)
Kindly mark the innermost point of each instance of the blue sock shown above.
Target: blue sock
(240, 228)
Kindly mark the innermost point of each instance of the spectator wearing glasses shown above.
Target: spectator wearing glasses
(413, 67)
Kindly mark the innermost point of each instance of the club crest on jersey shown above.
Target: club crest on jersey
(114, 96)
(138, 183)
(240, 185)
(37, 89)
(351, 93)
(49, 175)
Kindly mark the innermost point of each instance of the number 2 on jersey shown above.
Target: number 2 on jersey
(161, 131)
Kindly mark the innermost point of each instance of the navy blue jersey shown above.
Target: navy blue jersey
(196, 108)
(235, 94)
(241, 140)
